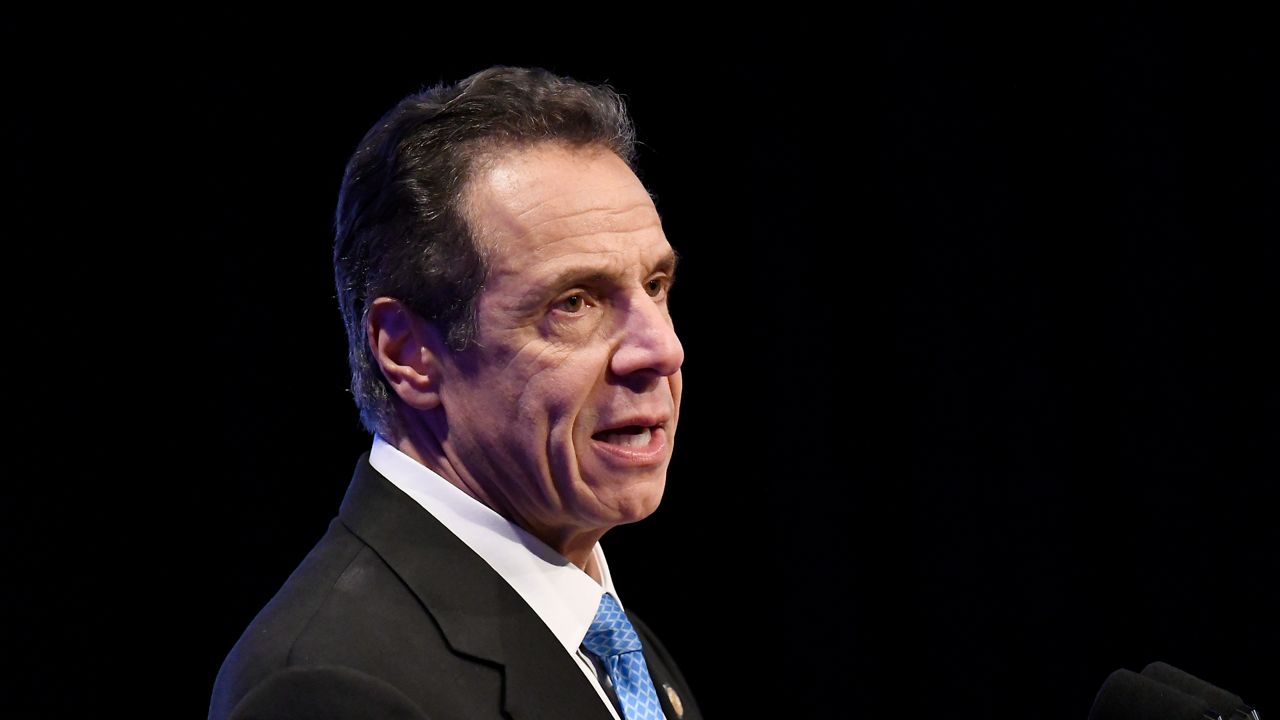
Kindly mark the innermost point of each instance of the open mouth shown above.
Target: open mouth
(628, 436)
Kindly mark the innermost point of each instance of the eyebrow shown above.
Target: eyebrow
(594, 276)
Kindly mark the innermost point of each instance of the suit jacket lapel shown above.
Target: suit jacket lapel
(673, 693)
(478, 612)
(661, 682)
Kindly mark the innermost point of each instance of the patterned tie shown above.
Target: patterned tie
(612, 639)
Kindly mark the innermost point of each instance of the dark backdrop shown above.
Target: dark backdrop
(979, 314)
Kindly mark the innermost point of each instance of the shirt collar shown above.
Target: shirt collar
(559, 592)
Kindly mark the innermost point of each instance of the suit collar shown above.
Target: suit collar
(477, 611)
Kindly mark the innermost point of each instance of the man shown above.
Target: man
(503, 276)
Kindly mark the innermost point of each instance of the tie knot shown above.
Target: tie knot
(610, 633)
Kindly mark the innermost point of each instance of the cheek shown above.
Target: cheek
(565, 395)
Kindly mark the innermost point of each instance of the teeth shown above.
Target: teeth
(631, 440)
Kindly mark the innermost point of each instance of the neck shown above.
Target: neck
(577, 546)
(578, 549)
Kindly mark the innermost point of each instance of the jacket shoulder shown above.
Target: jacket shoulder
(290, 618)
(345, 614)
(324, 693)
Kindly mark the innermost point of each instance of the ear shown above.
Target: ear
(405, 346)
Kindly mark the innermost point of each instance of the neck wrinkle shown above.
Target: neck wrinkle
(422, 445)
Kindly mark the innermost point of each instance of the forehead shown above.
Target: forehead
(535, 205)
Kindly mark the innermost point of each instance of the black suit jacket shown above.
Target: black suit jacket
(392, 616)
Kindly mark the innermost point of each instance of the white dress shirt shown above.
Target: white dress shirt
(562, 595)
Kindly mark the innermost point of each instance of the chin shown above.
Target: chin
(636, 503)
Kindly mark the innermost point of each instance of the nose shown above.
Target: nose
(648, 345)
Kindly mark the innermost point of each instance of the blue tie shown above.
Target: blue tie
(612, 639)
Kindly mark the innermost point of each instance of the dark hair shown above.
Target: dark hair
(401, 229)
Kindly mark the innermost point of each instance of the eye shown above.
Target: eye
(573, 304)
(655, 287)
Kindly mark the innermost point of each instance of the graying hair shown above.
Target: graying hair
(401, 229)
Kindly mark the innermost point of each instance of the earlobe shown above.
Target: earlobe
(401, 343)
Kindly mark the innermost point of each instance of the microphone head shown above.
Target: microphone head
(1126, 695)
(1223, 702)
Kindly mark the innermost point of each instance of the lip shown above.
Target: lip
(652, 454)
(651, 420)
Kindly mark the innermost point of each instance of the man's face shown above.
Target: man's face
(563, 415)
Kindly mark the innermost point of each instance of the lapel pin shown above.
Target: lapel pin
(675, 700)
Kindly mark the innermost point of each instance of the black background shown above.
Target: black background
(978, 309)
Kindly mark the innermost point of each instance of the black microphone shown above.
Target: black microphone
(1126, 695)
(1224, 703)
